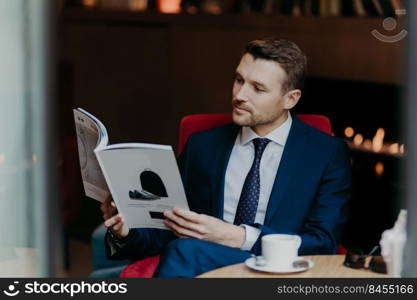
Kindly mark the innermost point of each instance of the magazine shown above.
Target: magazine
(143, 179)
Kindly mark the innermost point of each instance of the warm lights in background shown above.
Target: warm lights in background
(379, 168)
(367, 144)
(214, 7)
(358, 139)
(89, 3)
(378, 140)
(376, 145)
(133, 5)
(169, 6)
(349, 132)
(138, 5)
(394, 148)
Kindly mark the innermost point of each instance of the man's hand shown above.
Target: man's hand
(185, 223)
(113, 220)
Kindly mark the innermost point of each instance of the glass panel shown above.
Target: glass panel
(26, 188)
(410, 263)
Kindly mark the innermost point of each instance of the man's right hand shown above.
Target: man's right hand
(113, 220)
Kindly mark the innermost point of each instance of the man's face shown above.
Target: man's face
(258, 99)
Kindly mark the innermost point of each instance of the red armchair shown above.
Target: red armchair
(194, 123)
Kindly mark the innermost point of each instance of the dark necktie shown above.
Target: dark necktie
(248, 201)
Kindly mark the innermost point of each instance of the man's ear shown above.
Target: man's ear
(291, 98)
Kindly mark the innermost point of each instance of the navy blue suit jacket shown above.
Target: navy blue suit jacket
(308, 198)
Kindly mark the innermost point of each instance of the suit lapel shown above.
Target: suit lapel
(222, 156)
(288, 167)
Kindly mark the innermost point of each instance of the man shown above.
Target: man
(266, 173)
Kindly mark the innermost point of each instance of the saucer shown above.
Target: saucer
(251, 263)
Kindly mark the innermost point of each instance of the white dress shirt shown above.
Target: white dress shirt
(240, 162)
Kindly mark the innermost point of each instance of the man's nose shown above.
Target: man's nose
(242, 93)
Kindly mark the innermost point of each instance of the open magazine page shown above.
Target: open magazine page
(144, 181)
(88, 137)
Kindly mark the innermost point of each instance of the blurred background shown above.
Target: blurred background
(141, 65)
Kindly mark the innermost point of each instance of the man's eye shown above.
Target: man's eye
(239, 80)
(258, 90)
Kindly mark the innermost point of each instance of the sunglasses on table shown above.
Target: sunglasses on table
(356, 259)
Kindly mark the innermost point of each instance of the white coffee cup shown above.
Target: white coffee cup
(279, 251)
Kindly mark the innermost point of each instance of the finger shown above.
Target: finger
(167, 224)
(180, 235)
(175, 218)
(184, 223)
(108, 215)
(188, 215)
(113, 220)
(110, 222)
(118, 225)
(177, 234)
(183, 236)
(182, 231)
(112, 207)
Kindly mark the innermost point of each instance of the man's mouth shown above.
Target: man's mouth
(240, 110)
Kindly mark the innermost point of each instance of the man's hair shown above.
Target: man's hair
(287, 54)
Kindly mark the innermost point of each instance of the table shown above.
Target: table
(324, 266)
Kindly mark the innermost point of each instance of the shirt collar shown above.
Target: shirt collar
(278, 135)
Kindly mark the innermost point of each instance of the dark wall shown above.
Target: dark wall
(364, 106)
(140, 73)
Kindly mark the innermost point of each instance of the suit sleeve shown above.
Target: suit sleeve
(322, 228)
(139, 244)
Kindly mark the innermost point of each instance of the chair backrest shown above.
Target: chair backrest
(195, 123)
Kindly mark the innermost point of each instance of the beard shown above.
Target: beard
(242, 114)
(245, 119)
(251, 118)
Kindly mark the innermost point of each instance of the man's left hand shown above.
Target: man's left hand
(185, 223)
